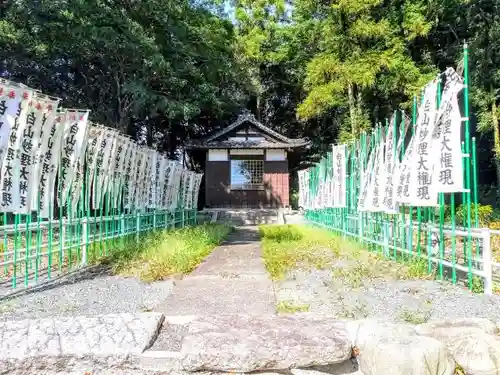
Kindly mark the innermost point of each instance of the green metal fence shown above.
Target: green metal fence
(73, 192)
(448, 236)
(35, 251)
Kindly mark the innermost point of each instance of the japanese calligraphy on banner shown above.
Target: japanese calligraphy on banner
(421, 167)
(10, 99)
(152, 173)
(42, 146)
(377, 181)
(175, 187)
(95, 134)
(364, 201)
(15, 176)
(119, 168)
(403, 175)
(339, 176)
(388, 200)
(73, 152)
(51, 144)
(448, 172)
(29, 142)
(130, 173)
(46, 118)
(102, 166)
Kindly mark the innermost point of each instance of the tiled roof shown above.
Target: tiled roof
(281, 141)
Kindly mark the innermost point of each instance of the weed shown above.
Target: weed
(358, 311)
(161, 254)
(477, 285)
(280, 233)
(417, 268)
(292, 246)
(290, 307)
(415, 317)
(353, 276)
(287, 247)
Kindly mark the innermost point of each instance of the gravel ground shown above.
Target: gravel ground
(414, 301)
(86, 294)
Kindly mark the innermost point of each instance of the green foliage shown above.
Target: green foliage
(484, 212)
(287, 307)
(477, 285)
(280, 233)
(290, 246)
(165, 253)
(155, 64)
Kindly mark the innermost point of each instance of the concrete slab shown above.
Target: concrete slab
(71, 342)
(212, 296)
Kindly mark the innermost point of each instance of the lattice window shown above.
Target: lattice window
(247, 174)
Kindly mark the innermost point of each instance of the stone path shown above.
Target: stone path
(231, 280)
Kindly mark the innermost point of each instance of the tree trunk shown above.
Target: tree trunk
(496, 145)
(257, 104)
(352, 110)
(359, 107)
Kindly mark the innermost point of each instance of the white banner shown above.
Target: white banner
(403, 175)
(29, 142)
(73, 152)
(46, 116)
(161, 181)
(421, 167)
(339, 176)
(365, 196)
(14, 178)
(9, 106)
(448, 170)
(153, 158)
(102, 167)
(389, 198)
(169, 177)
(377, 181)
(52, 144)
(95, 134)
(175, 189)
(119, 165)
(130, 174)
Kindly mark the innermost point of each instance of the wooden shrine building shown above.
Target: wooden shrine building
(246, 165)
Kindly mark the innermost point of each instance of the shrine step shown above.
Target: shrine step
(250, 217)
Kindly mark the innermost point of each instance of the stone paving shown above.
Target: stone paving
(69, 342)
(232, 279)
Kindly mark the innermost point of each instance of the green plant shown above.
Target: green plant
(353, 276)
(477, 285)
(290, 307)
(417, 268)
(162, 254)
(415, 317)
(484, 213)
(289, 246)
(280, 233)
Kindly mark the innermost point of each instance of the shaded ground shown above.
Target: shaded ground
(99, 290)
(88, 293)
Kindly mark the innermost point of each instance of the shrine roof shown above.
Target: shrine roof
(262, 137)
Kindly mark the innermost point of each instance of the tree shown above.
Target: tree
(362, 48)
(151, 67)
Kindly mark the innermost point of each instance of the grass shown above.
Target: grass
(162, 254)
(291, 307)
(415, 317)
(286, 247)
